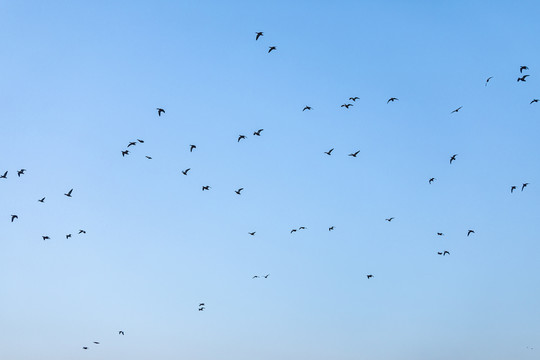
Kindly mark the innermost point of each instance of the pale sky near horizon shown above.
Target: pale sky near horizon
(80, 80)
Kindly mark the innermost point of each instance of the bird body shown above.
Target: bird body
(523, 67)
(258, 132)
(369, 276)
(259, 34)
(534, 101)
(186, 171)
(4, 176)
(524, 186)
(487, 80)
(470, 232)
(160, 111)
(523, 78)
(238, 191)
(191, 147)
(20, 172)
(453, 158)
(306, 108)
(41, 200)
(68, 194)
(240, 137)
(125, 152)
(512, 189)
(13, 217)
(392, 99)
(347, 105)
(354, 98)
(205, 188)
(456, 110)
(329, 152)
(389, 219)
(252, 233)
(354, 153)
(431, 180)
(271, 48)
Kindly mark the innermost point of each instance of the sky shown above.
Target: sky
(80, 80)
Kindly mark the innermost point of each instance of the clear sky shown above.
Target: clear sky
(81, 79)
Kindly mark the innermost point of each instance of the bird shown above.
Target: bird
(121, 332)
(455, 111)
(354, 98)
(302, 228)
(534, 101)
(470, 232)
(293, 230)
(347, 105)
(452, 158)
(354, 153)
(440, 234)
(186, 171)
(523, 67)
(69, 193)
(68, 236)
(82, 232)
(132, 143)
(13, 217)
(369, 276)
(20, 172)
(524, 186)
(205, 188)
(329, 152)
(523, 78)
(512, 188)
(252, 233)
(201, 304)
(431, 180)
(238, 191)
(439, 253)
(259, 34)
(389, 219)
(258, 132)
(4, 176)
(306, 108)
(446, 253)
(160, 111)
(270, 48)
(125, 152)
(266, 276)
(96, 342)
(392, 100)
(148, 157)
(201, 308)
(191, 147)
(46, 238)
(240, 137)
(255, 277)
(141, 141)
(41, 200)
(85, 347)
(330, 228)
(487, 80)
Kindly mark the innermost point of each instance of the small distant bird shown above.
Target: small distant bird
(46, 238)
(186, 171)
(512, 189)
(523, 67)
(452, 158)
(258, 132)
(487, 80)
(4, 176)
(160, 111)
(13, 217)
(201, 304)
(125, 152)
(369, 276)
(446, 253)
(392, 100)
(330, 228)
(121, 332)
(41, 200)
(534, 101)
(389, 219)
(329, 152)
(347, 105)
(293, 230)
(255, 277)
(455, 111)
(85, 347)
(148, 157)
(141, 141)
(132, 143)
(302, 228)
(306, 108)
(191, 147)
(239, 191)
(69, 193)
(431, 180)
(20, 172)
(523, 78)
(82, 232)
(270, 48)
(354, 98)
(201, 308)
(470, 232)
(439, 253)
(259, 34)
(524, 186)
(240, 137)
(252, 233)
(96, 342)
(205, 188)
(354, 153)
(266, 276)
(68, 236)
(440, 234)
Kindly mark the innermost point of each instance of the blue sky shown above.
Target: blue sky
(82, 79)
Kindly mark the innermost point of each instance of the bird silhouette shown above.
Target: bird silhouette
(240, 137)
(329, 152)
(141, 141)
(523, 78)
(201, 308)
(258, 132)
(68, 194)
(456, 110)
(487, 80)
(259, 34)
(306, 108)
(271, 48)
(523, 67)
(512, 189)
(354, 98)
(354, 153)
(125, 152)
(85, 347)
(252, 233)
(266, 276)
(46, 238)
(347, 105)
(440, 234)
(524, 186)
(389, 219)
(20, 172)
(160, 111)
(148, 157)
(201, 304)
(330, 228)
(205, 188)
(96, 342)
(439, 253)
(431, 180)
(293, 230)
(82, 232)
(68, 236)
(4, 176)
(392, 100)
(133, 143)
(470, 232)
(446, 253)
(13, 217)
(186, 171)
(369, 276)
(121, 332)
(239, 191)
(191, 147)
(41, 200)
(452, 158)
(255, 277)
(302, 228)
(534, 101)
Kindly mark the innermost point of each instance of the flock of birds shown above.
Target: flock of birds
(353, 99)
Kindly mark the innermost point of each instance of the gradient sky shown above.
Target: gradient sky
(80, 79)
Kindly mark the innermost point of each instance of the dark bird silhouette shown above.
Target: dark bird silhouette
(306, 108)
(121, 332)
(524, 186)
(534, 101)
(354, 153)
(293, 230)
(431, 180)
(329, 152)
(148, 157)
(96, 342)
(439, 253)
(85, 347)
(125, 152)
(440, 234)
(82, 232)
(258, 132)
(266, 276)
(392, 100)
(271, 48)
(41, 200)
(191, 147)
(259, 34)
(141, 141)
(470, 232)
(302, 228)
(68, 236)
(20, 172)
(201, 304)
(239, 191)
(46, 238)
(205, 188)
(240, 137)
(446, 253)
(186, 171)
(455, 111)
(133, 143)
(4, 176)
(69, 193)
(255, 277)
(369, 276)
(452, 158)
(523, 78)
(487, 80)
(354, 98)
(523, 67)
(13, 217)
(160, 111)
(347, 105)
(252, 233)
(201, 308)
(512, 189)
(389, 219)
(330, 228)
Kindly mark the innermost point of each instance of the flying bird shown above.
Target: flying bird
(470, 232)
(347, 105)
(41, 200)
(252, 233)
(431, 180)
(46, 238)
(85, 347)
(20, 172)
(201, 308)
(68, 236)
(259, 34)
(330, 228)
(240, 137)
(13, 217)
(4, 176)
(160, 111)
(270, 48)
(96, 342)
(354, 153)
(439, 253)
(201, 304)
(452, 158)
(523, 67)
(69, 193)
(306, 108)
(186, 171)
(258, 132)
(440, 234)
(266, 276)
(523, 78)
(205, 188)
(82, 232)
(255, 277)
(191, 147)
(121, 332)
(125, 152)
(293, 230)
(329, 152)
(389, 219)
(148, 157)
(132, 143)
(302, 228)
(512, 189)
(534, 101)
(141, 141)
(455, 111)
(239, 191)
(392, 100)
(487, 80)
(524, 186)
(369, 276)
(446, 253)
(354, 98)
